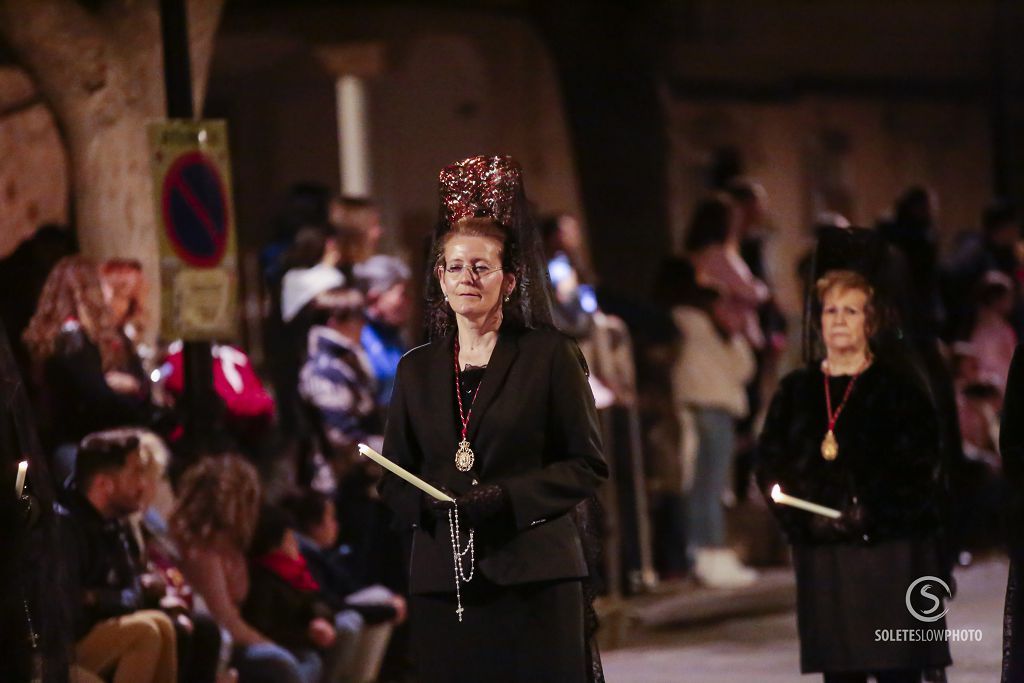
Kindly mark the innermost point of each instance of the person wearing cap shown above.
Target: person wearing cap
(312, 268)
(385, 282)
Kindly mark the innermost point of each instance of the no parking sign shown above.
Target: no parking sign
(198, 261)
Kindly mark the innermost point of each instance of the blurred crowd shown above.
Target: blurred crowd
(263, 553)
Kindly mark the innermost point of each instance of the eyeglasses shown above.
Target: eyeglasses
(476, 272)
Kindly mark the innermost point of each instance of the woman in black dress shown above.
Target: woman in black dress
(496, 409)
(858, 432)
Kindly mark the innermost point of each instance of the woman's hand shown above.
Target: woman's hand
(438, 509)
(122, 382)
(321, 633)
(482, 503)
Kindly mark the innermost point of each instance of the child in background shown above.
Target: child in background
(366, 614)
(284, 601)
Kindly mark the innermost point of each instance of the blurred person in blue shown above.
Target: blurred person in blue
(337, 381)
(385, 282)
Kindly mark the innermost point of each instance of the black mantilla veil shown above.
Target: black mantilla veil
(863, 251)
(529, 307)
(530, 303)
(32, 570)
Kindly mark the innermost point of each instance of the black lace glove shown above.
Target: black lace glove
(851, 526)
(438, 509)
(482, 504)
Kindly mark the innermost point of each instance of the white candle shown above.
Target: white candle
(783, 499)
(19, 484)
(403, 473)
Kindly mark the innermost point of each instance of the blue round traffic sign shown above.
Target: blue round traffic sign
(195, 210)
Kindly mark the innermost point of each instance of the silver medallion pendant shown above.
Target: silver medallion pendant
(464, 457)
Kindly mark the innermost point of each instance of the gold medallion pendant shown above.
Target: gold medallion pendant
(464, 457)
(829, 446)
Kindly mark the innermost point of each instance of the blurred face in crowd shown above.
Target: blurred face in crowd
(123, 290)
(325, 534)
(472, 277)
(365, 218)
(844, 320)
(290, 545)
(393, 305)
(120, 492)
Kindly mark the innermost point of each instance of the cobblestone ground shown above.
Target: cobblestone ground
(764, 649)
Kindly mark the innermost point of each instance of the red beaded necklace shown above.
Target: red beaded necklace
(464, 456)
(829, 445)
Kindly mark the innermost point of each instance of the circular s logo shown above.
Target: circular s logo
(933, 602)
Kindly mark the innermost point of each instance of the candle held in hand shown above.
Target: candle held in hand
(403, 473)
(783, 499)
(19, 484)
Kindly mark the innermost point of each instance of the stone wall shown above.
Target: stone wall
(33, 164)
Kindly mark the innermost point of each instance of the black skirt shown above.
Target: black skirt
(847, 594)
(528, 633)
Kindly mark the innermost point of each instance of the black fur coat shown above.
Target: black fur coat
(888, 477)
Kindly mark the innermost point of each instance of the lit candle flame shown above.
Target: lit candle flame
(19, 483)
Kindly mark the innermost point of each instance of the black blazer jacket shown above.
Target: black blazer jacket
(534, 431)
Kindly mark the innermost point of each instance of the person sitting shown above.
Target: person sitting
(338, 387)
(115, 635)
(337, 379)
(199, 636)
(284, 601)
(88, 377)
(365, 613)
(316, 530)
(213, 524)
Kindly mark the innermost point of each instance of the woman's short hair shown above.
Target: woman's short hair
(218, 497)
(849, 279)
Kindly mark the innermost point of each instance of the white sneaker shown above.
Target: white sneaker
(720, 568)
(732, 562)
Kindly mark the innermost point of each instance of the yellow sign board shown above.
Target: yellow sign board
(196, 219)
